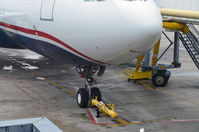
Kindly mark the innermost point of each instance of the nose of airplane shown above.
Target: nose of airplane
(142, 24)
(149, 31)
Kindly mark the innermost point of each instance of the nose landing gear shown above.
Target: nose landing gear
(85, 95)
(91, 95)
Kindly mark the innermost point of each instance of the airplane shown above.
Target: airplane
(91, 34)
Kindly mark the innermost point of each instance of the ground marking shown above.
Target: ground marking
(146, 85)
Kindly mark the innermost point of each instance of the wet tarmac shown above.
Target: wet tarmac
(34, 86)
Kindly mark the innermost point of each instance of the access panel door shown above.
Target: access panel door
(47, 7)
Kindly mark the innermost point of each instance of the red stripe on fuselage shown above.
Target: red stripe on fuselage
(48, 36)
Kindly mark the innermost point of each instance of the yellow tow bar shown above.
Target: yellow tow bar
(103, 109)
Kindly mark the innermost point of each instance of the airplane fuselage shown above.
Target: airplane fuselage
(81, 31)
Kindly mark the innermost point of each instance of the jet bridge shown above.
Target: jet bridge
(189, 37)
(186, 11)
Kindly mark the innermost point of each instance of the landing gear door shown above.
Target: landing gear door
(47, 7)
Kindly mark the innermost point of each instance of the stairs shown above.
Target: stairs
(191, 43)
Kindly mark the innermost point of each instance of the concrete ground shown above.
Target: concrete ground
(33, 86)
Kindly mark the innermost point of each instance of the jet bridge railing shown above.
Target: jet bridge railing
(194, 32)
(191, 45)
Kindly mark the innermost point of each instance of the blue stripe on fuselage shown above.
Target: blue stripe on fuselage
(46, 49)
(7, 42)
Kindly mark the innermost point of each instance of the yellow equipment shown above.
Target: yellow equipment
(177, 26)
(155, 53)
(103, 109)
(136, 74)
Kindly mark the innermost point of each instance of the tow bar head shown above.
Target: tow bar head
(102, 109)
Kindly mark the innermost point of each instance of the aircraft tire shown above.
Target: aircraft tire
(160, 79)
(96, 92)
(82, 98)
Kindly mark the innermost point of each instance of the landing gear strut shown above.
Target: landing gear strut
(84, 95)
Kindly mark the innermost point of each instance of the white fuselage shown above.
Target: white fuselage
(106, 31)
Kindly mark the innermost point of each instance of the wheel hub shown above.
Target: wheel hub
(159, 80)
(79, 98)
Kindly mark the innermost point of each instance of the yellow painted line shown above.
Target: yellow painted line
(38, 74)
(160, 88)
(134, 102)
(172, 118)
(152, 121)
(71, 92)
(47, 79)
(146, 85)
(54, 83)
(34, 72)
(124, 123)
(62, 87)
